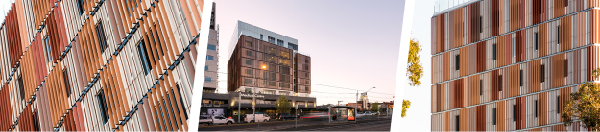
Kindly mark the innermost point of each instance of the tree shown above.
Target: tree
(283, 105)
(405, 106)
(414, 69)
(375, 107)
(584, 105)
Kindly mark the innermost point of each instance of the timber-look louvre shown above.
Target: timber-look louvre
(509, 65)
(53, 84)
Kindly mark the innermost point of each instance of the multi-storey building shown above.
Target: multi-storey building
(98, 65)
(506, 65)
(211, 66)
(268, 68)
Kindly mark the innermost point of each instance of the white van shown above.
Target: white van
(259, 118)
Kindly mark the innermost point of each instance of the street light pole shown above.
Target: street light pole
(239, 106)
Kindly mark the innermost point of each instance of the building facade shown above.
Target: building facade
(262, 66)
(510, 65)
(98, 65)
(211, 65)
(243, 28)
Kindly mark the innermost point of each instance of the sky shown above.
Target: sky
(5, 6)
(353, 44)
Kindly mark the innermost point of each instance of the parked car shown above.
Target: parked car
(215, 120)
(370, 113)
(286, 116)
(259, 118)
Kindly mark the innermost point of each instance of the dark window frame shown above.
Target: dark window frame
(558, 104)
(500, 83)
(101, 36)
(145, 59)
(493, 116)
(521, 77)
(566, 67)
(103, 106)
(494, 51)
(457, 62)
(536, 41)
(542, 73)
(66, 82)
(80, 4)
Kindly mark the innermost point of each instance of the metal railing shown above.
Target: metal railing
(447, 5)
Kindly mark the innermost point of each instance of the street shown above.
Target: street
(315, 124)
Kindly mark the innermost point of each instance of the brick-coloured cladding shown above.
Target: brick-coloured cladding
(302, 72)
(275, 63)
(56, 87)
(481, 83)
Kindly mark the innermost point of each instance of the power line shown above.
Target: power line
(353, 89)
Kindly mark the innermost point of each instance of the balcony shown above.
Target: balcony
(442, 6)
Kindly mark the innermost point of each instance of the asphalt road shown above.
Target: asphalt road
(315, 124)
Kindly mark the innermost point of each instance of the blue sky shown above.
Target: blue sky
(353, 44)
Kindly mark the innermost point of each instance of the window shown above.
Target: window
(514, 112)
(493, 116)
(247, 81)
(248, 44)
(566, 3)
(212, 47)
(103, 108)
(144, 57)
(271, 39)
(306, 74)
(249, 53)
(48, 49)
(558, 105)
(279, 42)
(101, 37)
(542, 74)
(292, 46)
(21, 88)
(306, 60)
(249, 72)
(521, 77)
(480, 24)
(457, 63)
(494, 51)
(305, 67)
(481, 87)
(207, 79)
(558, 34)
(514, 47)
(248, 62)
(536, 108)
(208, 57)
(261, 37)
(500, 83)
(181, 102)
(66, 82)
(536, 41)
(566, 68)
(457, 123)
(205, 68)
(284, 54)
(80, 5)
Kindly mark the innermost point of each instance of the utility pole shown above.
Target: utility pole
(296, 116)
(239, 106)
